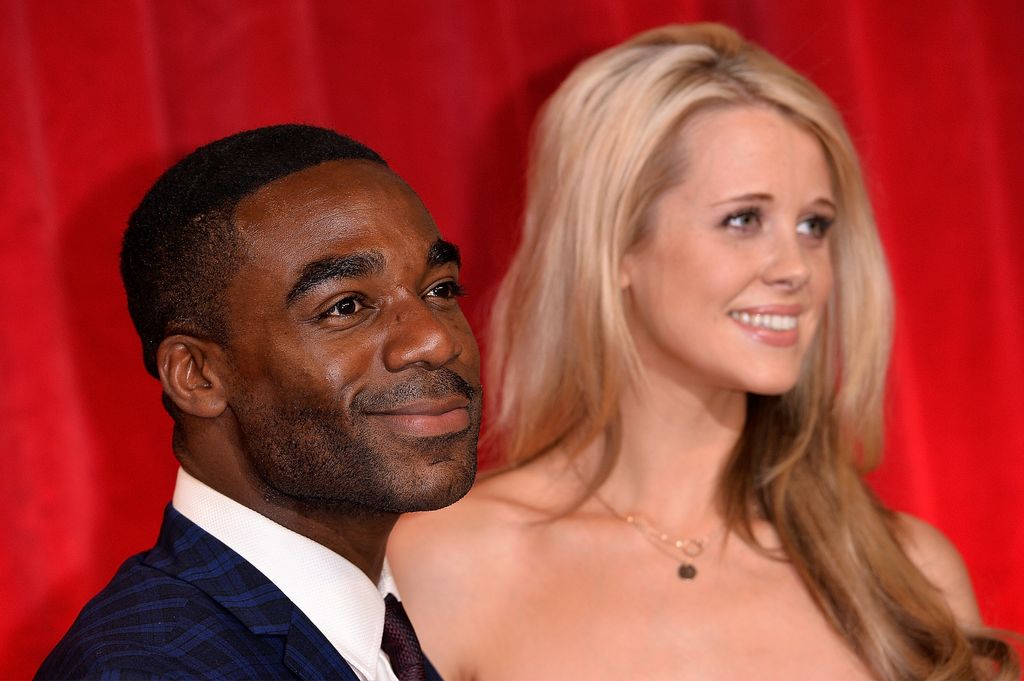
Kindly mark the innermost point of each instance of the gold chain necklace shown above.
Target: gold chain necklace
(683, 551)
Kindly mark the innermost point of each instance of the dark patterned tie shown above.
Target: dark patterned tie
(400, 642)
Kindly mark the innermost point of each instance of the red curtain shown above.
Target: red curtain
(98, 97)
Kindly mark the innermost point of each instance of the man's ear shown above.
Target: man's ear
(191, 374)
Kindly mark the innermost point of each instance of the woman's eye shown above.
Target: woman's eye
(816, 226)
(446, 290)
(345, 307)
(743, 220)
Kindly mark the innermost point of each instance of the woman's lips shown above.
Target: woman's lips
(777, 325)
(427, 418)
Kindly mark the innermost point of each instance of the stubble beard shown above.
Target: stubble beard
(329, 459)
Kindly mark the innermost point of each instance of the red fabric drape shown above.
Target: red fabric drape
(98, 97)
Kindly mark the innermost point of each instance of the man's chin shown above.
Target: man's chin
(459, 477)
(444, 482)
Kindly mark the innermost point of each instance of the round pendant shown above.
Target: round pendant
(687, 571)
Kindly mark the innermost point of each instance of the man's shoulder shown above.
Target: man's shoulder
(147, 623)
(147, 597)
(173, 612)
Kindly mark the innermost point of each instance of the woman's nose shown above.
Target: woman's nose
(786, 263)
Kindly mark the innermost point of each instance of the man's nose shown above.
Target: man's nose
(420, 336)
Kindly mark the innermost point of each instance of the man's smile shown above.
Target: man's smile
(427, 417)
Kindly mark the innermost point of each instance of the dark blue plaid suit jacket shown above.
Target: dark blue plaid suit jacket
(191, 608)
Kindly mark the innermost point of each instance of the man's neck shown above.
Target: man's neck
(358, 535)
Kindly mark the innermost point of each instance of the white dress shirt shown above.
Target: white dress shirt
(336, 596)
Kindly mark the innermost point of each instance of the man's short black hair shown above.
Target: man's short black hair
(181, 249)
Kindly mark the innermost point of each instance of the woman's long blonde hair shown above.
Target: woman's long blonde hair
(561, 352)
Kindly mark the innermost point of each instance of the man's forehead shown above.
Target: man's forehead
(340, 184)
(344, 205)
(338, 220)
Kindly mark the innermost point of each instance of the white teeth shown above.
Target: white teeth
(775, 322)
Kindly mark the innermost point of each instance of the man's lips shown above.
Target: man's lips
(425, 407)
(427, 417)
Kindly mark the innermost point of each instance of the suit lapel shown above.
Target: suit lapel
(188, 552)
(432, 674)
(309, 655)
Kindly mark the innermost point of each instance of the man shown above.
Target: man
(301, 312)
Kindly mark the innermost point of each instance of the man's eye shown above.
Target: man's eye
(345, 307)
(816, 226)
(743, 220)
(446, 290)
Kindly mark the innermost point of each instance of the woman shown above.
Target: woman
(688, 358)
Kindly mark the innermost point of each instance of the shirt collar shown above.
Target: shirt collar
(336, 596)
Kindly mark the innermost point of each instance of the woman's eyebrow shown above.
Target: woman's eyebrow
(753, 196)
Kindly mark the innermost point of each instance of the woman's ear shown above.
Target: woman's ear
(190, 372)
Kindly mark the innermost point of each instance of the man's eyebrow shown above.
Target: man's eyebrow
(442, 252)
(351, 266)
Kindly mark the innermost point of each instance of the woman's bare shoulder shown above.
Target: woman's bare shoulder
(482, 532)
(940, 562)
(453, 566)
